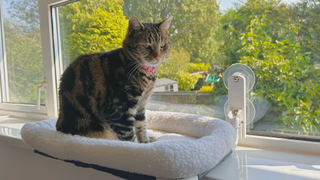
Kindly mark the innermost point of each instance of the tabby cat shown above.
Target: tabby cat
(103, 95)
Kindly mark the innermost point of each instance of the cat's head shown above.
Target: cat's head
(148, 44)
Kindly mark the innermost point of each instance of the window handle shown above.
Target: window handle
(42, 87)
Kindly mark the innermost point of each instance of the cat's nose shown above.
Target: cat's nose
(157, 58)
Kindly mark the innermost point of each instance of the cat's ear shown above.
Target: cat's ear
(164, 25)
(134, 24)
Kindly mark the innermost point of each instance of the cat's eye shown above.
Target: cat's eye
(163, 45)
(147, 46)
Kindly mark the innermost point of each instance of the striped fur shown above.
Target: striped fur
(103, 95)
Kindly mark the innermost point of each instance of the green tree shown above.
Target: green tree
(286, 75)
(25, 14)
(176, 68)
(240, 17)
(281, 49)
(91, 26)
(196, 67)
(234, 22)
(23, 51)
(176, 61)
(307, 18)
(193, 26)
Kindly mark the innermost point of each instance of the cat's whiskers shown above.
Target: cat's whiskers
(130, 75)
(135, 68)
(131, 69)
(131, 64)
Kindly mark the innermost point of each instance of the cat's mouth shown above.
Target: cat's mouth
(148, 68)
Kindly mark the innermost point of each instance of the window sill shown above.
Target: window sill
(254, 163)
(25, 115)
(10, 131)
(281, 144)
(283, 150)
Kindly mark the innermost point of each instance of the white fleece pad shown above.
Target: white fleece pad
(186, 145)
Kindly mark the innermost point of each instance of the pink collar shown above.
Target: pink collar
(149, 68)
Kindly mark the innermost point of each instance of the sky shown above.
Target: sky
(5, 5)
(227, 4)
(224, 4)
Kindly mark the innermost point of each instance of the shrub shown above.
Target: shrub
(186, 80)
(206, 89)
(285, 73)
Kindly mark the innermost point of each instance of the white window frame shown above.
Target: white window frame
(51, 59)
(22, 110)
(273, 143)
(52, 70)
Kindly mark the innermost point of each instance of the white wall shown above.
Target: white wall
(163, 88)
(19, 162)
(175, 87)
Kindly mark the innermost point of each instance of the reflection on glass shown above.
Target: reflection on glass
(22, 46)
(5, 131)
(278, 40)
(252, 164)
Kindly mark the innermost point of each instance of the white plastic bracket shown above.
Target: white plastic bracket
(42, 87)
(237, 103)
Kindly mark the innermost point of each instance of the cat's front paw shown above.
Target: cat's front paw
(152, 139)
(148, 140)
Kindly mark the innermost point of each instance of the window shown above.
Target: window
(278, 40)
(206, 42)
(21, 60)
(171, 87)
(22, 53)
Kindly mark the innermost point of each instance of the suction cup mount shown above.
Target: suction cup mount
(250, 111)
(239, 79)
(240, 69)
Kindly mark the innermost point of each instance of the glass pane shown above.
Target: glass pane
(22, 44)
(272, 37)
(280, 41)
(89, 27)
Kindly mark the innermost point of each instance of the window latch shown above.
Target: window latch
(42, 87)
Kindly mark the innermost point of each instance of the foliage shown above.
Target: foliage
(206, 88)
(25, 14)
(176, 68)
(196, 67)
(235, 21)
(91, 26)
(176, 61)
(307, 17)
(23, 51)
(285, 74)
(186, 80)
(239, 18)
(228, 47)
(281, 48)
(193, 26)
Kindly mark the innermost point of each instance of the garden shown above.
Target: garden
(280, 41)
